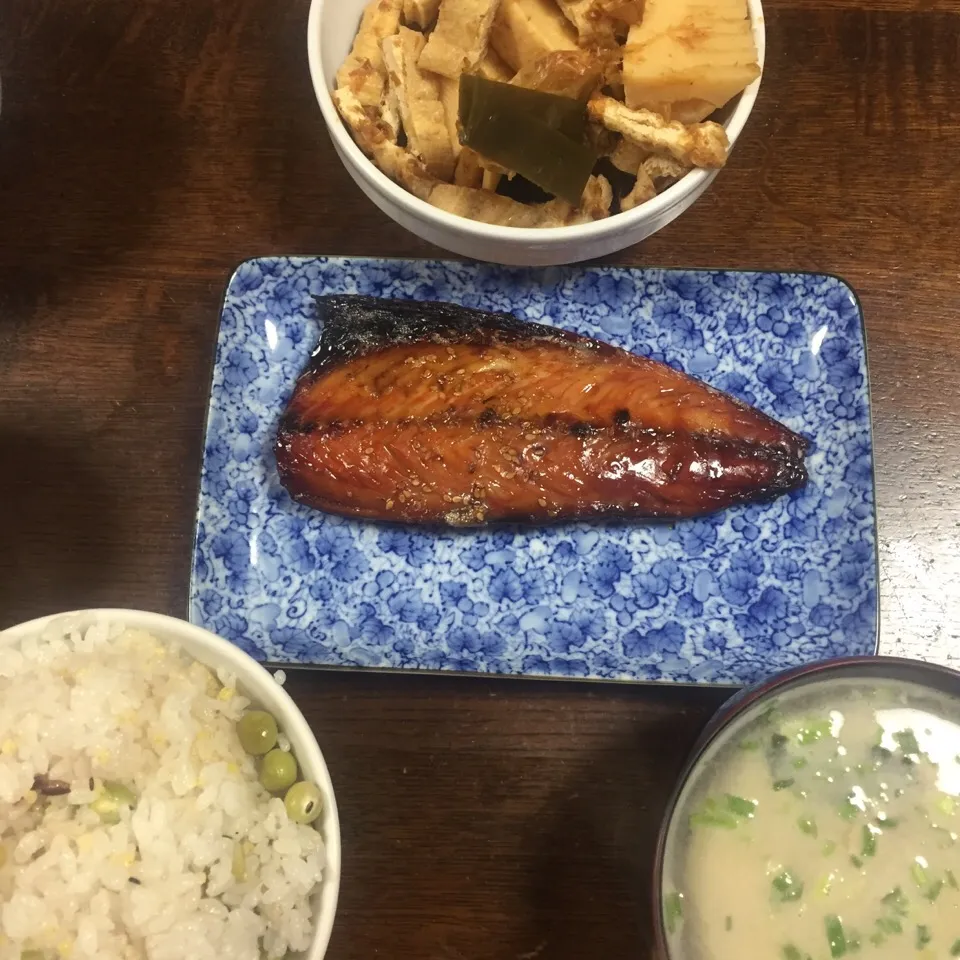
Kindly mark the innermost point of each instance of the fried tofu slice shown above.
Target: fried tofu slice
(487, 207)
(420, 13)
(364, 122)
(594, 26)
(363, 72)
(567, 73)
(525, 31)
(699, 145)
(418, 95)
(648, 173)
(644, 189)
(664, 168)
(627, 156)
(374, 139)
(600, 139)
(450, 97)
(459, 40)
(491, 67)
(491, 179)
(596, 201)
(469, 172)
(401, 165)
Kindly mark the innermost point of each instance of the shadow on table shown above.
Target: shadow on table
(89, 141)
(56, 518)
(596, 864)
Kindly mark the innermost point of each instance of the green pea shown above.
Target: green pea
(303, 802)
(278, 771)
(110, 799)
(257, 731)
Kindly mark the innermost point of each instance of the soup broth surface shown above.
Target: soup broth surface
(823, 825)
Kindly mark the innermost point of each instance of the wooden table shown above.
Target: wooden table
(146, 148)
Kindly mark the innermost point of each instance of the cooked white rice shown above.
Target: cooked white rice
(206, 865)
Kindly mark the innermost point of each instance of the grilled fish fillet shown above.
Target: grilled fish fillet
(434, 413)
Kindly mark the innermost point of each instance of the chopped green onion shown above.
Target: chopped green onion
(783, 784)
(808, 732)
(951, 879)
(907, 743)
(828, 847)
(807, 826)
(835, 935)
(787, 887)
(868, 843)
(705, 819)
(814, 731)
(749, 744)
(849, 810)
(778, 741)
(923, 936)
(799, 763)
(740, 806)
(920, 876)
(889, 925)
(856, 861)
(946, 805)
(933, 891)
(896, 901)
(790, 952)
(711, 815)
(955, 949)
(728, 924)
(771, 714)
(673, 910)
(888, 822)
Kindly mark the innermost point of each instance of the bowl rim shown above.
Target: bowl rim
(934, 675)
(294, 725)
(543, 237)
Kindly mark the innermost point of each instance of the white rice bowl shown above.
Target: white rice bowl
(205, 864)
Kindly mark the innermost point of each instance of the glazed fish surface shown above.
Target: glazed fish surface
(435, 413)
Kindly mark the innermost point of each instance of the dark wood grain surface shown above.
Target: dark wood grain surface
(146, 148)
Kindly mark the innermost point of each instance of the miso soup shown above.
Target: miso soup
(823, 825)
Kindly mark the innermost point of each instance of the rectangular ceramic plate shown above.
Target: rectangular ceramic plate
(727, 599)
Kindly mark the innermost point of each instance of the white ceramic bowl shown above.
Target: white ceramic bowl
(257, 684)
(331, 27)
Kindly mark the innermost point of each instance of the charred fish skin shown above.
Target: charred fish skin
(434, 413)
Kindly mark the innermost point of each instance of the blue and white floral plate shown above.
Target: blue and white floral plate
(728, 599)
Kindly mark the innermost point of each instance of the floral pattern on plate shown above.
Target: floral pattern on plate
(731, 598)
